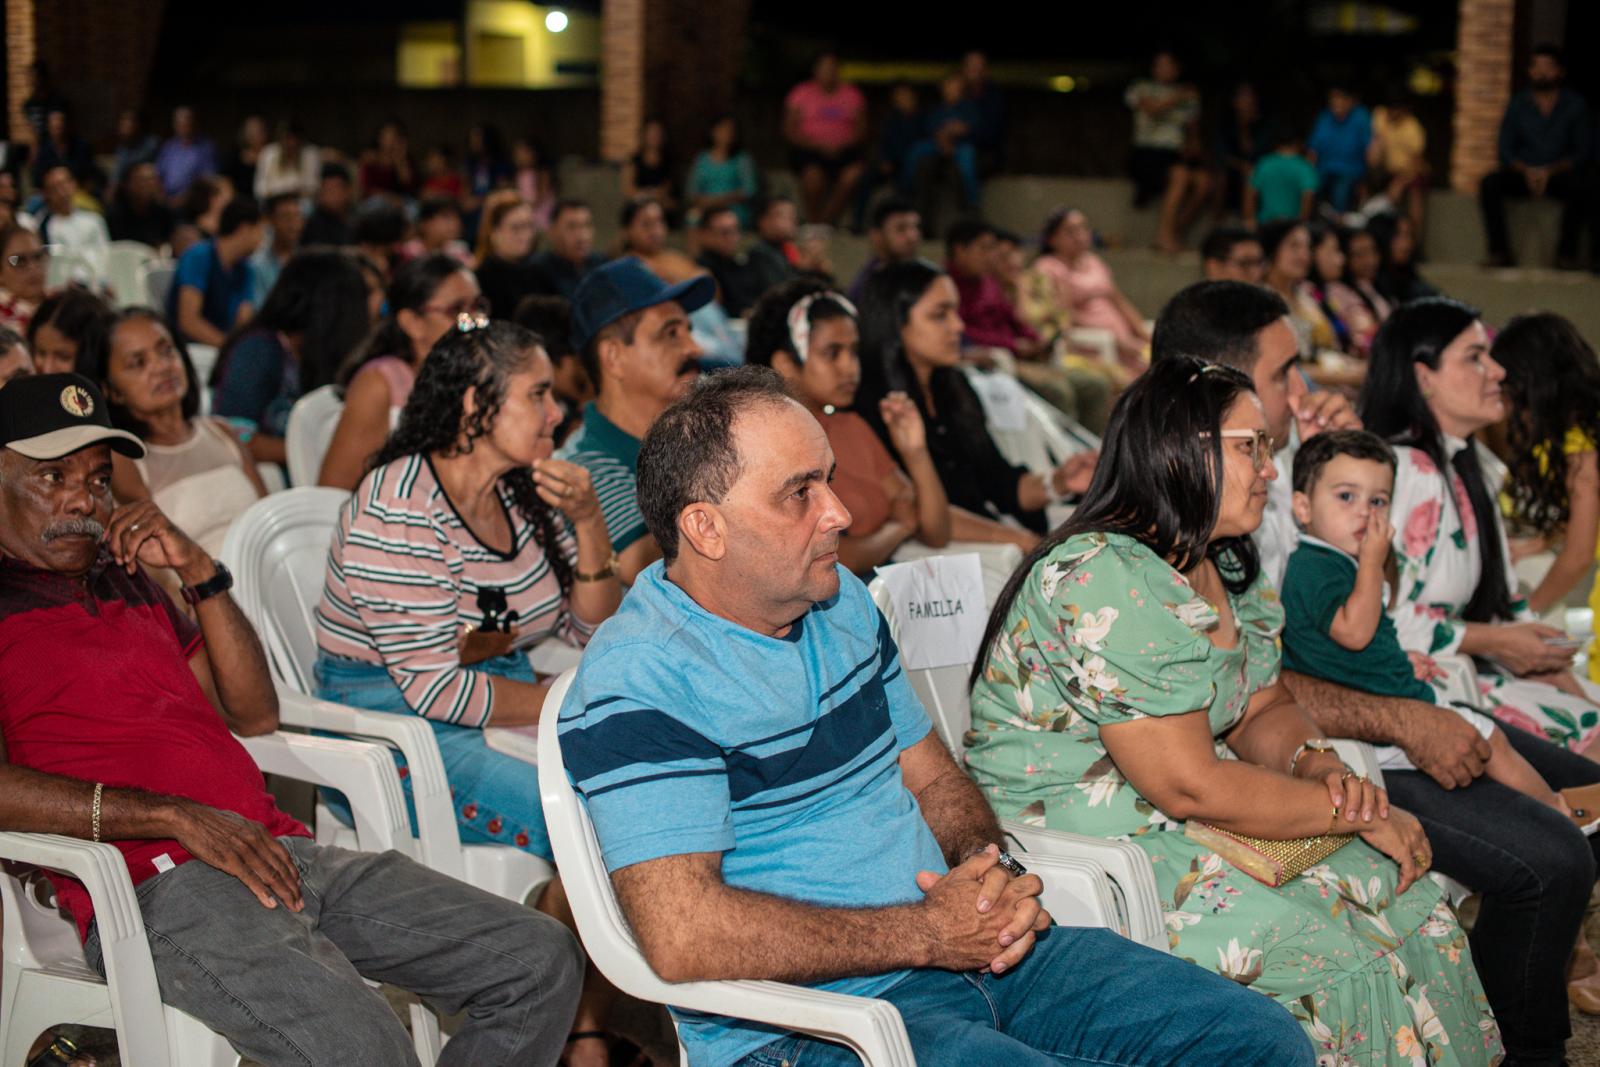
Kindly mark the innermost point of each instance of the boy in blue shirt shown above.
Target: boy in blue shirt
(1338, 146)
(1335, 593)
(772, 804)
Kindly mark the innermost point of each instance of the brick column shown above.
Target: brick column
(21, 51)
(621, 77)
(1484, 46)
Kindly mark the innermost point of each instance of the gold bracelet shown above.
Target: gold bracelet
(94, 812)
(1333, 822)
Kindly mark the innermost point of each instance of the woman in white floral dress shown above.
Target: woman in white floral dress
(1130, 682)
(1431, 385)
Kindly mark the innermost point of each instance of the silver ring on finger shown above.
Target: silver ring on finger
(134, 528)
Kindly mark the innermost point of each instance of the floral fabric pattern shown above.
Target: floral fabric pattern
(1436, 544)
(1104, 632)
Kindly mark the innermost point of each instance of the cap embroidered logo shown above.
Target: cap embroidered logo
(77, 401)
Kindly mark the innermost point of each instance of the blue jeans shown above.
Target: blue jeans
(965, 158)
(1084, 997)
(1535, 871)
(496, 796)
(1339, 190)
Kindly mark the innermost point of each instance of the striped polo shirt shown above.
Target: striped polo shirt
(685, 732)
(406, 574)
(611, 456)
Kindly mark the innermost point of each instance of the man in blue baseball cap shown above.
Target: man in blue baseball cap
(632, 331)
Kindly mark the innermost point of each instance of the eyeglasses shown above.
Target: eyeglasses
(477, 307)
(1262, 446)
(29, 259)
(1246, 262)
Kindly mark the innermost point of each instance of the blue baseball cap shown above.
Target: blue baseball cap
(624, 286)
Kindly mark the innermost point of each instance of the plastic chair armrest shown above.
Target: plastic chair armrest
(873, 1028)
(1126, 864)
(363, 772)
(438, 841)
(125, 954)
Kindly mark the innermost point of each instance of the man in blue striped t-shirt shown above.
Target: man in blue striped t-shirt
(771, 802)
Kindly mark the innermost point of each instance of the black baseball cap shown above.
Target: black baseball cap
(46, 416)
(624, 286)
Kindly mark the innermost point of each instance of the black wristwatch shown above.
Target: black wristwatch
(220, 582)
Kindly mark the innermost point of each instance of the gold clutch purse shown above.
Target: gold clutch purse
(1268, 862)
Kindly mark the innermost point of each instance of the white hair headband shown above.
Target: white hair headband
(800, 319)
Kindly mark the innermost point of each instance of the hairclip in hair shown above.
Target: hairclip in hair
(800, 319)
(1209, 368)
(468, 321)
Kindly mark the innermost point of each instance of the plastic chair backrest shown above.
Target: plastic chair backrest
(942, 690)
(36, 934)
(128, 265)
(67, 267)
(278, 552)
(605, 932)
(158, 283)
(312, 421)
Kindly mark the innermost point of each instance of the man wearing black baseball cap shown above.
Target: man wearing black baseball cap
(633, 333)
(115, 709)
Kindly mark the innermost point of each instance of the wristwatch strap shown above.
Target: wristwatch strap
(220, 582)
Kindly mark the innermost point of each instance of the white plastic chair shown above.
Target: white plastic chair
(1076, 894)
(46, 979)
(1101, 342)
(128, 266)
(158, 283)
(278, 552)
(312, 421)
(70, 267)
(944, 693)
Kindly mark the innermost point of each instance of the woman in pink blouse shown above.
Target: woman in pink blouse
(1086, 289)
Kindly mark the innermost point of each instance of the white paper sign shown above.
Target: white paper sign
(939, 609)
(1005, 405)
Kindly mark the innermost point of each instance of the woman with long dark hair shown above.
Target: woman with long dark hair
(68, 331)
(1287, 247)
(1354, 295)
(425, 300)
(1552, 388)
(314, 317)
(1137, 641)
(911, 344)
(454, 558)
(195, 467)
(1432, 384)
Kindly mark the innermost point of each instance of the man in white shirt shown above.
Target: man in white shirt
(69, 228)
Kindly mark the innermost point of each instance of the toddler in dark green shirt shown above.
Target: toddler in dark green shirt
(1334, 594)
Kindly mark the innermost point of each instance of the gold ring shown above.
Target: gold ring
(1421, 858)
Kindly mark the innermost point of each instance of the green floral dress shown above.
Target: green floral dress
(1105, 632)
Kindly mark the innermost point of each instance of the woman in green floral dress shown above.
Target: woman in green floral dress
(1130, 682)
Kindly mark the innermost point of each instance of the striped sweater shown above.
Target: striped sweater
(406, 574)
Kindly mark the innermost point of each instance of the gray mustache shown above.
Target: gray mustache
(74, 528)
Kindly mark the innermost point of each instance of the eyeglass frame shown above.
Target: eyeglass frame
(16, 260)
(1262, 449)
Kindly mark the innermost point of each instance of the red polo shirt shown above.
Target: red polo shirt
(95, 684)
